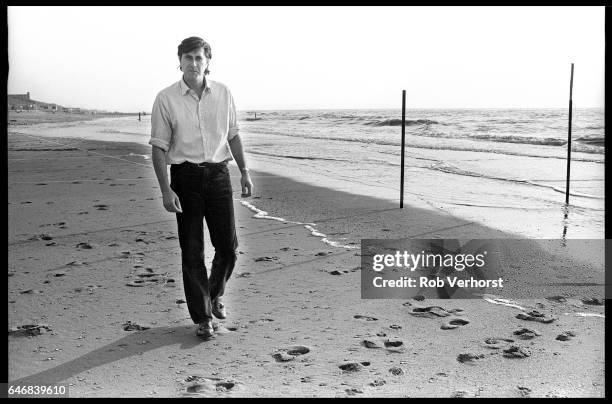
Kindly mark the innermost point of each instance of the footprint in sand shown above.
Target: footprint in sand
(524, 391)
(282, 357)
(208, 386)
(265, 259)
(261, 320)
(497, 343)
(28, 330)
(593, 301)
(515, 351)
(147, 273)
(469, 357)
(136, 284)
(394, 346)
(139, 283)
(31, 291)
(526, 333)
(366, 318)
(395, 371)
(353, 366)
(433, 311)
(565, 336)
(454, 323)
(557, 298)
(535, 315)
(370, 344)
(290, 353)
(129, 326)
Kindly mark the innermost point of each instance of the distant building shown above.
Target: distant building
(20, 101)
(24, 97)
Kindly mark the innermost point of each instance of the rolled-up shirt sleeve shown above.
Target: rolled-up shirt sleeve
(233, 124)
(161, 127)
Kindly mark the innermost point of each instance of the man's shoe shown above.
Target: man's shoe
(205, 329)
(218, 308)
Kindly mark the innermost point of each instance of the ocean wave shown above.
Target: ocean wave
(520, 139)
(389, 142)
(594, 140)
(288, 156)
(496, 138)
(591, 143)
(447, 168)
(398, 122)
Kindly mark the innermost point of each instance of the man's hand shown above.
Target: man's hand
(172, 202)
(246, 184)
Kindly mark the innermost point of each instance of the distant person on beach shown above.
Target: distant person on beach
(193, 128)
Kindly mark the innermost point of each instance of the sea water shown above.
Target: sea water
(504, 168)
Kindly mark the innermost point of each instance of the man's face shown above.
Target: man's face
(193, 64)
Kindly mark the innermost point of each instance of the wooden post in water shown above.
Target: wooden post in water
(403, 143)
(569, 138)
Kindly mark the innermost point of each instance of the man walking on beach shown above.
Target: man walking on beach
(193, 128)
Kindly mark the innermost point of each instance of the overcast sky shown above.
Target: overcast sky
(118, 58)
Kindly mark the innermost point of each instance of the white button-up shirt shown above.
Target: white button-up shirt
(192, 129)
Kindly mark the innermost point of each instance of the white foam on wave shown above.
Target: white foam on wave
(146, 157)
(586, 314)
(261, 214)
(503, 302)
(574, 193)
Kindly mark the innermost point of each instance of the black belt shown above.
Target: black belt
(200, 165)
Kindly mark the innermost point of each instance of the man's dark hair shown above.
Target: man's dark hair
(194, 42)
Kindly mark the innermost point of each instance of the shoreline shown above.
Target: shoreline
(459, 192)
(35, 117)
(289, 289)
(412, 222)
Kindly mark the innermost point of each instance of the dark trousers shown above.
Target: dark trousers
(205, 192)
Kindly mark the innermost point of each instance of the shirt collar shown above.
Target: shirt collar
(185, 88)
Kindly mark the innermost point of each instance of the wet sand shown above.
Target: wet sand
(92, 253)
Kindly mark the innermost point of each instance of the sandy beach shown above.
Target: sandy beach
(95, 275)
